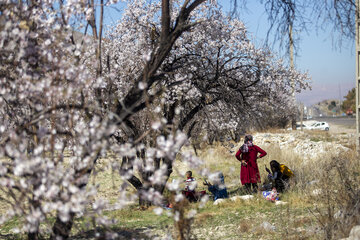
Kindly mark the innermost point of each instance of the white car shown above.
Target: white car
(320, 126)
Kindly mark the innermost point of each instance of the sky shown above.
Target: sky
(332, 69)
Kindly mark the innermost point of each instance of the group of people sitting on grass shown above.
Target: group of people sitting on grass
(277, 180)
(217, 189)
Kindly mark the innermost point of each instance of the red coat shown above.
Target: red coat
(250, 172)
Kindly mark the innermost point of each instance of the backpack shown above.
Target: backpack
(286, 171)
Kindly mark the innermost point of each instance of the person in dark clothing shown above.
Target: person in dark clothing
(279, 175)
(218, 189)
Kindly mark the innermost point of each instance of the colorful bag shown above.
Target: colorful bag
(270, 195)
(286, 171)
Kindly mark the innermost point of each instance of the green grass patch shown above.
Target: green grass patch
(134, 217)
(229, 220)
(8, 226)
(246, 220)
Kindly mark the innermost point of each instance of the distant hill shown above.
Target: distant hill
(328, 107)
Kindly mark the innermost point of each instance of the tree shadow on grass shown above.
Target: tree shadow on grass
(100, 233)
(114, 233)
(10, 237)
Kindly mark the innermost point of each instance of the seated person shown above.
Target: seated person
(218, 189)
(279, 175)
(190, 185)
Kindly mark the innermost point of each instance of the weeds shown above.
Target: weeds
(183, 219)
(340, 197)
(322, 202)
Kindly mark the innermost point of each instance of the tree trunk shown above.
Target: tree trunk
(143, 187)
(61, 230)
(143, 201)
(161, 188)
(165, 19)
(35, 204)
(33, 236)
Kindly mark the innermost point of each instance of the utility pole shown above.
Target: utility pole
(357, 39)
(291, 52)
(339, 99)
(301, 116)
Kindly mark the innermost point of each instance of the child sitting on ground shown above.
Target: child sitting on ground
(190, 185)
(218, 189)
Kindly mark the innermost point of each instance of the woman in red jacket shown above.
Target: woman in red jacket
(247, 154)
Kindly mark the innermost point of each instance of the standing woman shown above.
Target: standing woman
(247, 154)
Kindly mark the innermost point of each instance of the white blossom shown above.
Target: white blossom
(158, 211)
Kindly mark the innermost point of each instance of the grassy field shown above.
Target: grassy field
(304, 216)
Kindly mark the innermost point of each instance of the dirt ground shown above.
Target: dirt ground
(336, 129)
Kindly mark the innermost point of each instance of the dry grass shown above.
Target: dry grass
(322, 186)
(308, 207)
(245, 226)
(202, 217)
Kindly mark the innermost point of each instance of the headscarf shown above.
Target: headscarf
(220, 181)
(275, 166)
(247, 143)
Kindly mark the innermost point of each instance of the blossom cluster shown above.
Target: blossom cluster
(68, 99)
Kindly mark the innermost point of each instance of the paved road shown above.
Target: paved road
(342, 121)
(338, 124)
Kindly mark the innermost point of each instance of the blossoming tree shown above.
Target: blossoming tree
(68, 99)
(213, 78)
